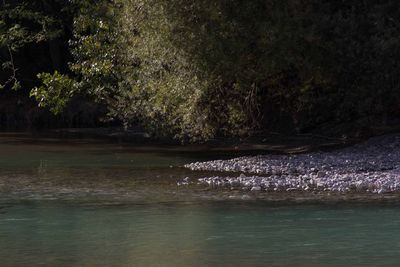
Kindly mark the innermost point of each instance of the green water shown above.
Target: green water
(210, 234)
(90, 203)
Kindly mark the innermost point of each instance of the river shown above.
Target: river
(85, 202)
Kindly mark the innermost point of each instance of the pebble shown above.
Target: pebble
(373, 166)
(256, 188)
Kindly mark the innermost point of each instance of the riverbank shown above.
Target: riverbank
(372, 167)
(274, 143)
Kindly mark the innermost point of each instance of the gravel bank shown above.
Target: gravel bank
(373, 166)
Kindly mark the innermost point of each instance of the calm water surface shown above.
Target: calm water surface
(88, 203)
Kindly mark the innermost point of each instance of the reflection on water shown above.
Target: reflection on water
(211, 234)
(46, 169)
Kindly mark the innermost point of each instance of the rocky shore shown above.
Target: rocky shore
(372, 166)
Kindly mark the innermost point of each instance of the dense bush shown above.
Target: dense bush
(197, 69)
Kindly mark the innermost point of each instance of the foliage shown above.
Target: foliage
(23, 23)
(56, 90)
(196, 69)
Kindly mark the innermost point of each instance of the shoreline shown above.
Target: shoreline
(371, 167)
(271, 143)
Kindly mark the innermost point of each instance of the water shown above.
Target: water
(209, 234)
(89, 203)
(50, 168)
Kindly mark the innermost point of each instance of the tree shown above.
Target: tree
(23, 25)
(194, 69)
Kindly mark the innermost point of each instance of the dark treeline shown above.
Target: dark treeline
(34, 38)
(196, 69)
